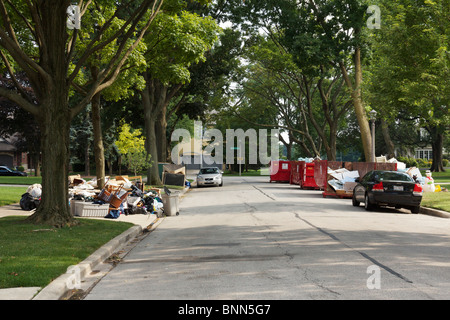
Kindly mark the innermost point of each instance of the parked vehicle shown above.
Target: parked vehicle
(388, 188)
(210, 177)
(5, 171)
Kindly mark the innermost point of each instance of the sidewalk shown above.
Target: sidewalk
(57, 288)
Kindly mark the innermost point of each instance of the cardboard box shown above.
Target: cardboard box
(349, 186)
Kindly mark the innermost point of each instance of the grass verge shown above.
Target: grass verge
(10, 195)
(33, 256)
(437, 200)
(20, 180)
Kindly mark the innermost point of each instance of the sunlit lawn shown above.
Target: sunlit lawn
(33, 256)
(10, 195)
(437, 200)
(20, 180)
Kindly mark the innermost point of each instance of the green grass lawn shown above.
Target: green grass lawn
(437, 200)
(33, 256)
(20, 180)
(10, 195)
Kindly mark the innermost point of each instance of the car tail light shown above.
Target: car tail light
(378, 187)
(418, 190)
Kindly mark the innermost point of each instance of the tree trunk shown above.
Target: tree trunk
(55, 125)
(150, 115)
(161, 135)
(99, 149)
(366, 135)
(390, 147)
(438, 145)
(331, 152)
(54, 118)
(87, 160)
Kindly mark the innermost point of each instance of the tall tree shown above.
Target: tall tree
(410, 70)
(317, 33)
(34, 38)
(176, 41)
(310, 106)
(127, 79)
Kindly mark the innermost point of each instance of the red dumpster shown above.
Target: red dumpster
(321, 171)
(296, 172)
(308, 177)
(280, 171)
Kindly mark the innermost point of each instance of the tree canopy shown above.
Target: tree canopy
(311, 68)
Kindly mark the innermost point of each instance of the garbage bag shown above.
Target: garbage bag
(27, 202)
(35, 190)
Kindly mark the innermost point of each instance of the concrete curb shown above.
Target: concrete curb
(61, 285)
(435, 212)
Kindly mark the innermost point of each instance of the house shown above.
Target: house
(424, 153)
(10, 157)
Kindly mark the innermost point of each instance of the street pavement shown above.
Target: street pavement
(257, 240)
(254, 240)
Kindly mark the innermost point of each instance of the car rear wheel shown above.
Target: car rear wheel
(415, 209)
(354, 201)
(367, 205)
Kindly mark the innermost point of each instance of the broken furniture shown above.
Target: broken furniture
(174, 175)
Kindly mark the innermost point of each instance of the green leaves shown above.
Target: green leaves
(410, 70)
(176, 41)
(131, 145)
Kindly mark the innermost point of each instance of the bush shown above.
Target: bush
(410, 162)
(445, 162)
(424, 163)
(21, 169)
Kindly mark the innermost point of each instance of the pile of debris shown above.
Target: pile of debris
(342, 181)
(119, 196)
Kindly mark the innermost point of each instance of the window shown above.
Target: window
(424, 154)
(394, 176)
(209, 171)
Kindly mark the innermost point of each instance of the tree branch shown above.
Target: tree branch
(109, 75)
(13, 77)
(19, 100)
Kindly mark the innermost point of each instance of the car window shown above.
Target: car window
(394, 176)
(209, 170)
(367, 177)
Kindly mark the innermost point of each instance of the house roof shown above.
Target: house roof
(6, 146)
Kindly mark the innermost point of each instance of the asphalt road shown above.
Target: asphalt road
(252, 239)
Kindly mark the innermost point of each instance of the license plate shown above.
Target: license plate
(398, 188)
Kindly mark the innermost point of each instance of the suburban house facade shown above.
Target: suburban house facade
(10, 157)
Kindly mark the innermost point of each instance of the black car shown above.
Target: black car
(388, 188)
(5, 171)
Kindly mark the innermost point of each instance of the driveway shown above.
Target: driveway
(252, 239)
